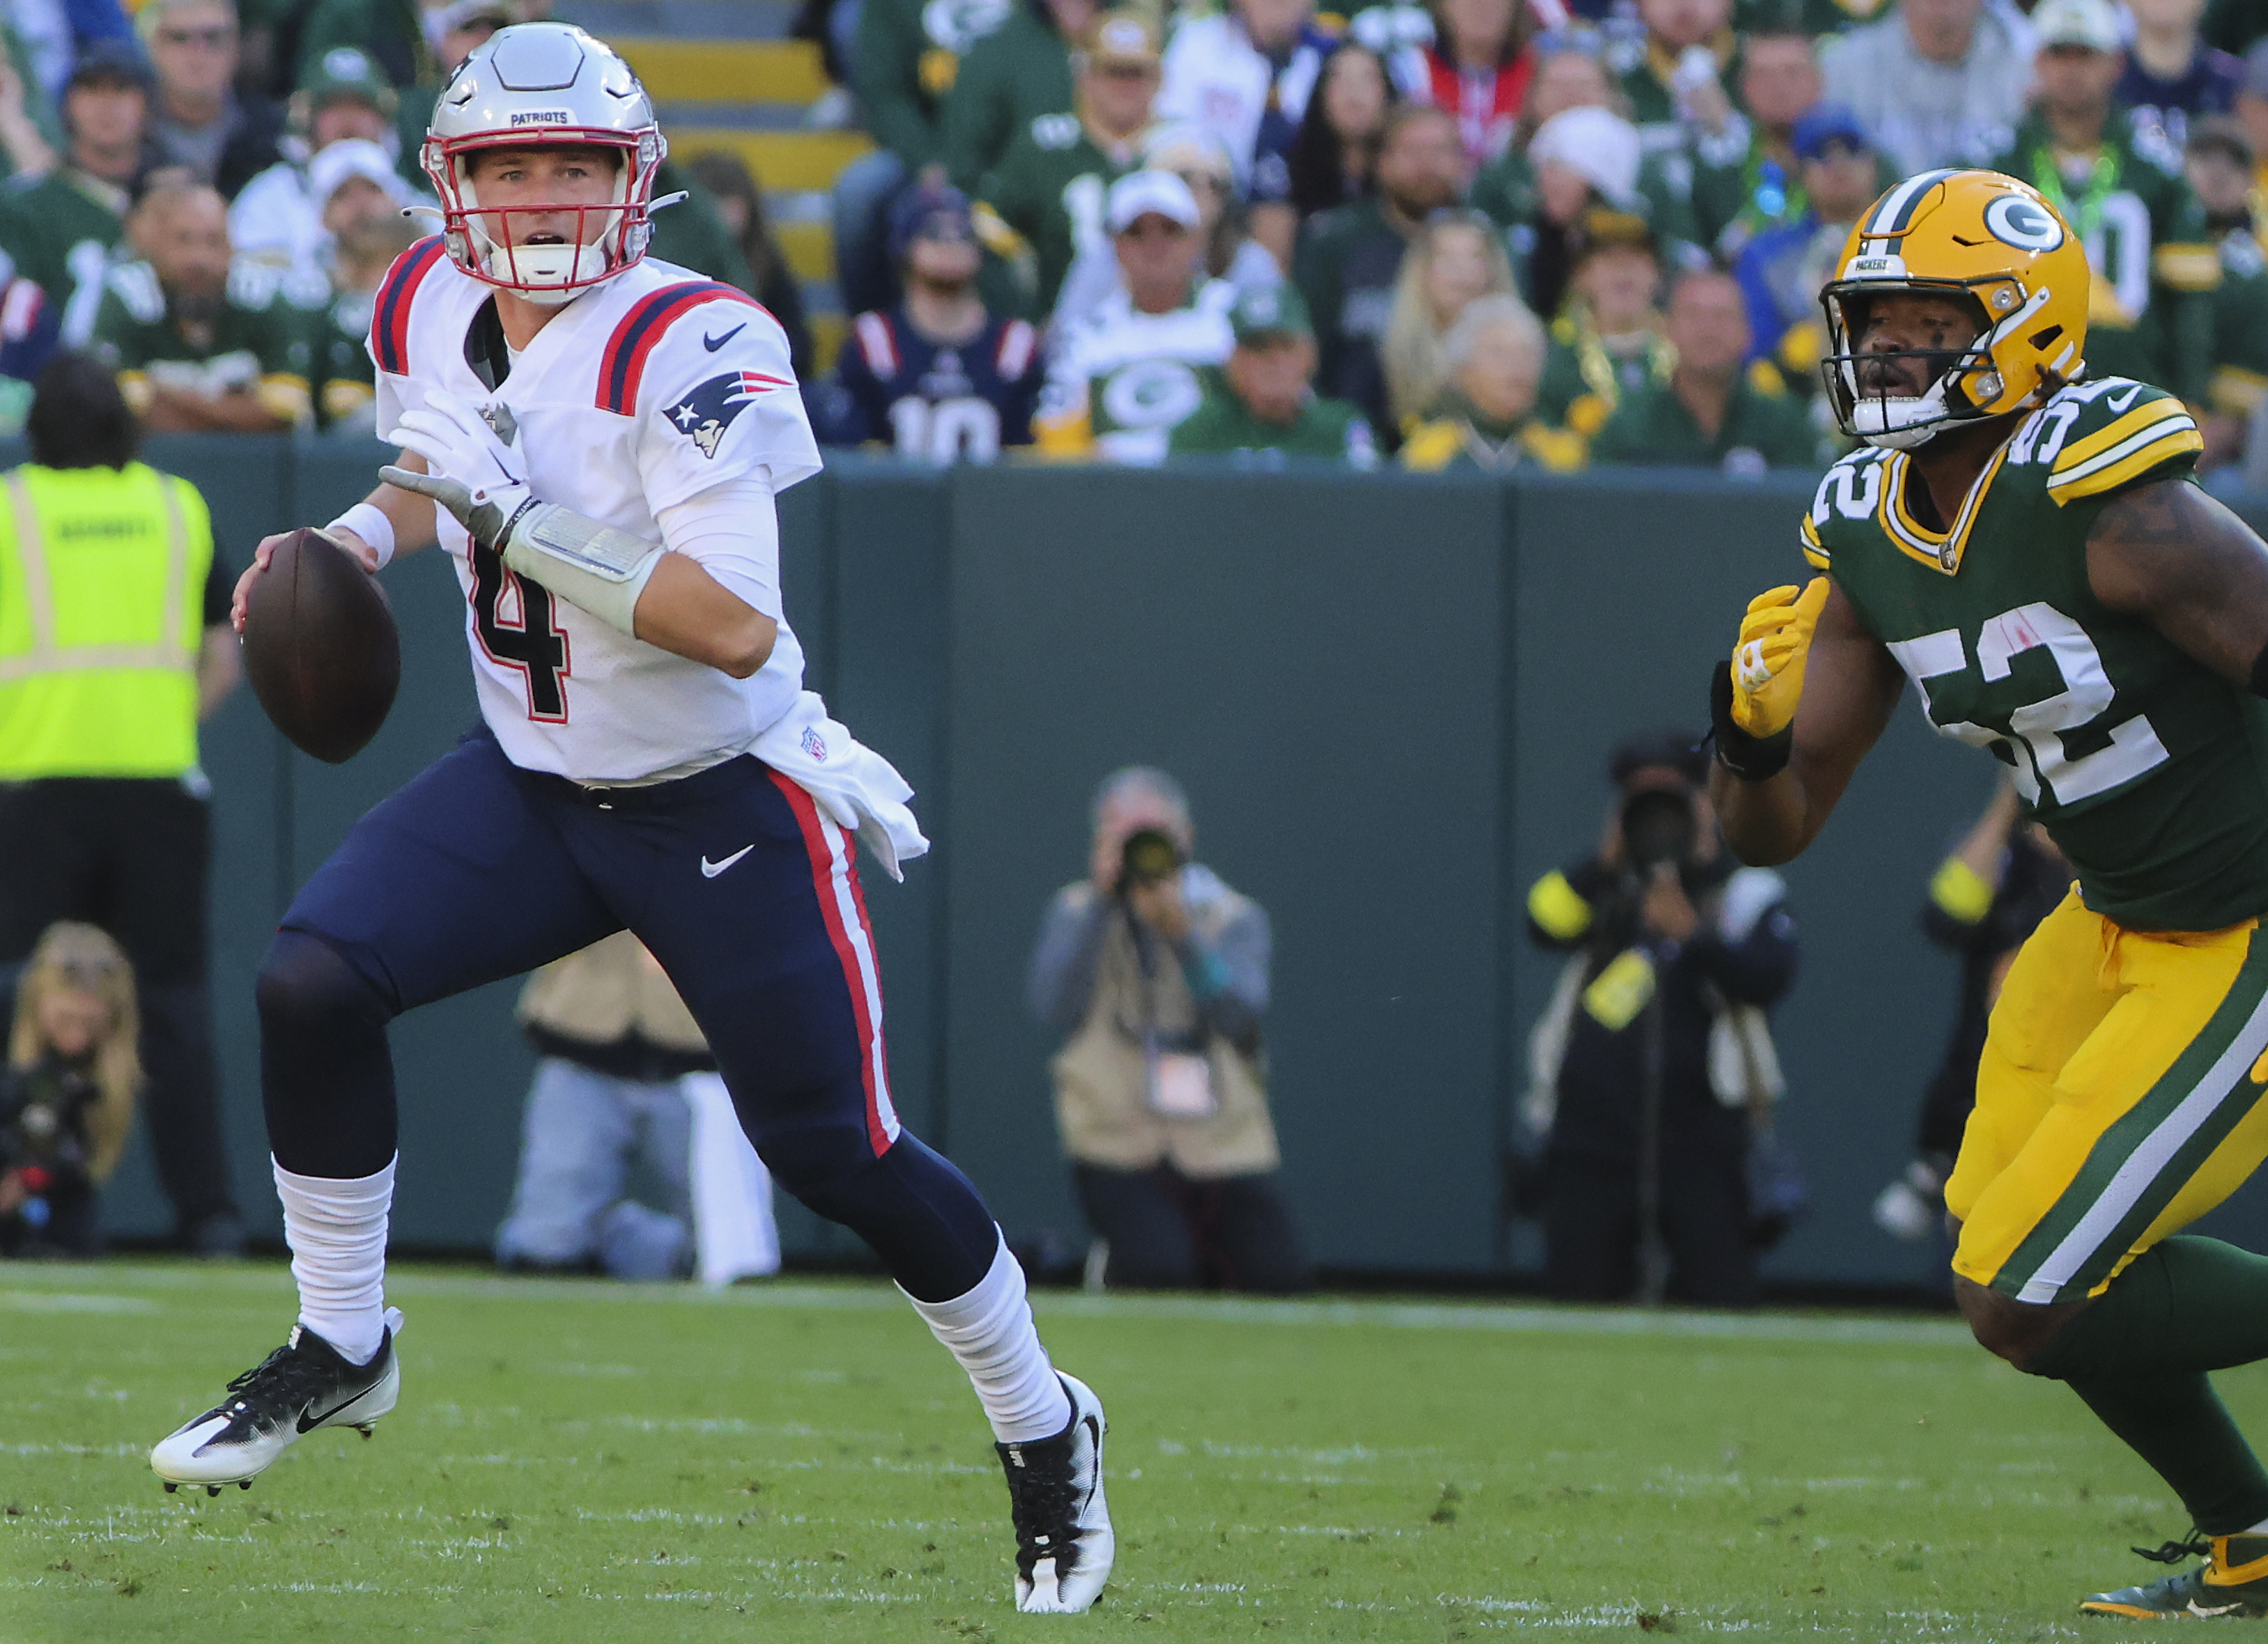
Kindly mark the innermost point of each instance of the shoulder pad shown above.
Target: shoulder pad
(622, 367)
(136, 286)
(390, 322)
(1056, 131)
(2095, 436)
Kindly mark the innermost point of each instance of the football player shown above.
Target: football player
(2025, 542)
(603, 435)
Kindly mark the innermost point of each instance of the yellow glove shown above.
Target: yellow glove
(1768, 662)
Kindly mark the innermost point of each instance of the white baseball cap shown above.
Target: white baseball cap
(1599, 146)
(2092, 24)
(1138, 194)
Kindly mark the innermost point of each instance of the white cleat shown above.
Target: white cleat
(301, 1386)
(1063, 1544)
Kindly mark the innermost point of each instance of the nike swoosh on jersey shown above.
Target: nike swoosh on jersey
(710, 870)
(714, 343)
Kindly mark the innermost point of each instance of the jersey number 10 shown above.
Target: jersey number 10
(532, 644)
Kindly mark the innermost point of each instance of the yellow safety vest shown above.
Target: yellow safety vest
(102, 576)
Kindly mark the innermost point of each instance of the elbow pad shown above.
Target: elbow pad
(597, 566)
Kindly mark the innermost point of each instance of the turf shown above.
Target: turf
(583, 1461)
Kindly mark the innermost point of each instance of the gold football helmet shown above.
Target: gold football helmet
(1978, 237)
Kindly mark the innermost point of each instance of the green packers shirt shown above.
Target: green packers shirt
(260, 341)
(2149, 771)
(1123, 379)
(60, 230)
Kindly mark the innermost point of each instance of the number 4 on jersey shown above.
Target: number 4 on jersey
(529, 642)
(2130, 747)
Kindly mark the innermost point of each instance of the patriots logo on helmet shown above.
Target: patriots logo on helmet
(704, 415)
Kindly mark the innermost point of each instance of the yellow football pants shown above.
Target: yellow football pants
(2118, 1100)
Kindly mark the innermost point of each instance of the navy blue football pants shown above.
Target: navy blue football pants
(735, 880)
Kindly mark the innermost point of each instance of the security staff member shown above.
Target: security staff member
(114, 642)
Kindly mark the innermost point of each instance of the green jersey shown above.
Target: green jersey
(2149, 771)
(1584, 381)
(2240, 327)
(260, 341)
(339, 365)
(1011, 77)
(1041, 206)
(1763, 427)
(60, 230)
(1223, 425)
(2149, 313)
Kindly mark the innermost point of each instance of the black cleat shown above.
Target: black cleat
(301, 1386)
(1063, 1543)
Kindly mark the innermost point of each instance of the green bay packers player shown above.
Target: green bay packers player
(2025, 542)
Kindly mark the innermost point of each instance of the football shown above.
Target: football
(320, 648)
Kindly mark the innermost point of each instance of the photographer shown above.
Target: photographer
(1159, 973)
(1653, 1070)
(67, 1096)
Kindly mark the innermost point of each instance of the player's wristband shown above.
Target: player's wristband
(369, 522)
(597, 566)
(1751, 758)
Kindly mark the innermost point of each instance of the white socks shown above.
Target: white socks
(336, 1231)
(990, 1330)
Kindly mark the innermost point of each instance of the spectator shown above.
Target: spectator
(1042, 205)
(1609, 344)
(907, 56)
(1123, 377)
(1485, 418)
(938, 377)
(1477, 67)
(1262, 406)
(1245, 73)
(199, 120)
(60, 229)
(1585, 164)
(1024, 72)
(344, 183)
(1662, 921)
(2252, 104)
(1985, 898)
(1762, 189)
(2219, 168)
(2150, 314)
(738, 202)
(339, 365)
(30, 136)
(1936, 82)
(102, 807)
(198, 347)
(1225, 251)
(1711, 413)
(1456, 257)
(277, 218)
(1335, 154)
(1782, 268)
(1674, 85)
(623, 1077)
(1351, 257)
(1158, 973)
(44, 41)
(420, 46)
(2171, 77)
(67, 1100)
(692, 235)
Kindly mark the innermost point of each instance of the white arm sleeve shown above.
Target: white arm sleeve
(731, 532)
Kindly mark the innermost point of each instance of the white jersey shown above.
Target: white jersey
(1133, 375)
(637, 396)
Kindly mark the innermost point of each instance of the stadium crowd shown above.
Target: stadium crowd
(1503, 231)
(1467, 232)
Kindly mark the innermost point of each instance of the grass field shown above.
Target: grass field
(582, 1461)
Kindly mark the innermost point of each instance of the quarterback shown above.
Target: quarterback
(596, 439)
(2025, 542)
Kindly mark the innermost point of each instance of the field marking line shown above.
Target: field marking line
(91, 1282)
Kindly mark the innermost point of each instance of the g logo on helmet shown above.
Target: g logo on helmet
(2023, 222)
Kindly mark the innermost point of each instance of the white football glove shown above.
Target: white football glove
(471, 473)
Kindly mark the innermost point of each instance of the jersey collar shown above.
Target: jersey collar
(1941, 551)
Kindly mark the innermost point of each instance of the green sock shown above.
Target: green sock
(2187, 1304)
(2138, 1356)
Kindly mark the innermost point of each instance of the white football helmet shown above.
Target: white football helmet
(544, 84)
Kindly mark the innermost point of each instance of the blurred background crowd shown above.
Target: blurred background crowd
(1465, 232)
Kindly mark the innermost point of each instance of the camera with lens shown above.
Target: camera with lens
(1150, 856)
(1658, 827)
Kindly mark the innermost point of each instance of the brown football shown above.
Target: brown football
(319, 647)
